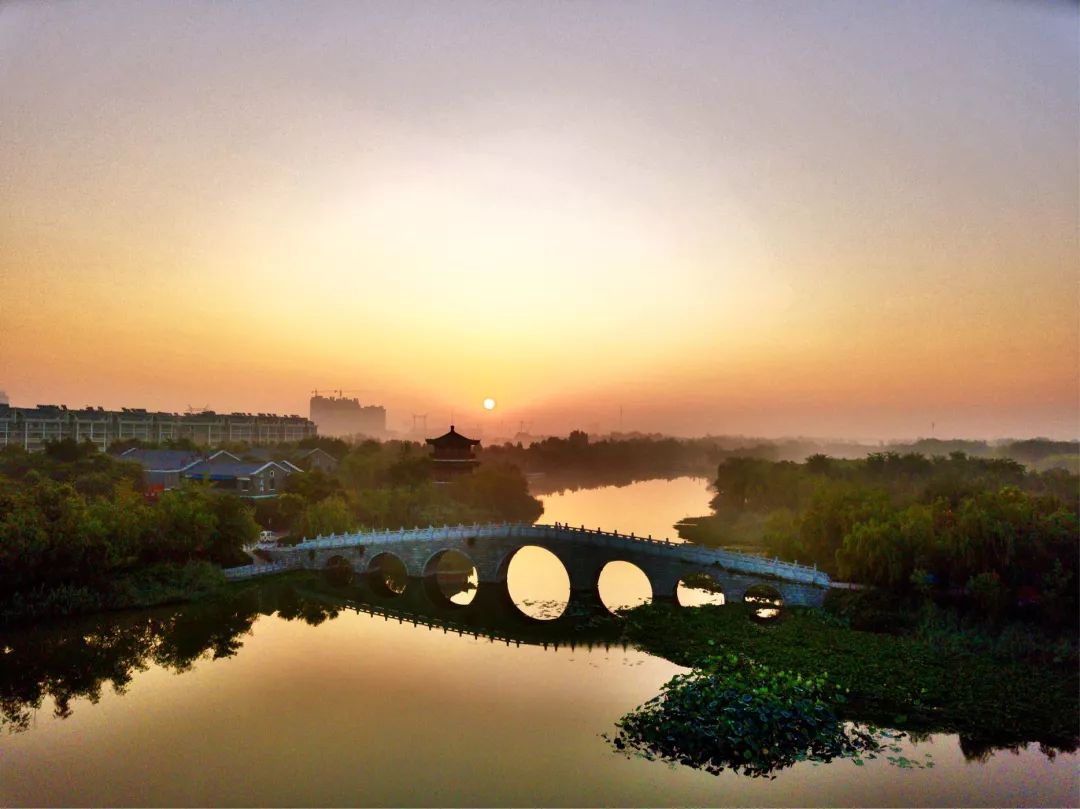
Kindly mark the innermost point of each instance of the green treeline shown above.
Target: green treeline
(76, 534)
(577, 460)
(984, 531)
(389, 485)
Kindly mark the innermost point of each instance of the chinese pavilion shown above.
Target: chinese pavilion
(452, 454)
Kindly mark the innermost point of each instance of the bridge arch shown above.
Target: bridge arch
(543, 591)
(621, 583)
(387, 573)
(336, 561)
(339, 569)
(582, 554)
(451, 577)
(766, 600)
(699, 588)
(502, 570)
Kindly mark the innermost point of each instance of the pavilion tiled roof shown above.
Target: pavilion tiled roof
(453, 439)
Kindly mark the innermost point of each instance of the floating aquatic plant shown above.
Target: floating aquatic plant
(735, 714)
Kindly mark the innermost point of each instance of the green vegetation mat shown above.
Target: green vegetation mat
(892, 681)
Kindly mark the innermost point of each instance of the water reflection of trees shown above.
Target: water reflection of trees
(77, 659)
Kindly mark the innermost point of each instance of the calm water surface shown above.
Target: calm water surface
(307, 704)
(646, 508)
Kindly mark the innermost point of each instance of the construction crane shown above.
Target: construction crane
(340, 391)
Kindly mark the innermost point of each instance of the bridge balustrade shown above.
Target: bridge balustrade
(250, 571)
(738, 562)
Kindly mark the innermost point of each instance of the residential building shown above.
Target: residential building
(251, 479)
(318, 459)
(343, 417)
(161, 467)
(167, 469)
(301, 460)
(32, 427)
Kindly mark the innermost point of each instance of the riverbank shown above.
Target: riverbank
(150, 586)
(901, 682)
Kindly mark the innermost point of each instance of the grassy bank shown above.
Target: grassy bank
(149, 586)
(894, 681)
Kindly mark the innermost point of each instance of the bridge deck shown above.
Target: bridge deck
(730, 560)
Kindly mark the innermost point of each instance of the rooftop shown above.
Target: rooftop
(161, 460)
(453, 439)
(228, 471)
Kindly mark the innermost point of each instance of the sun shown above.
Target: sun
(489, 403)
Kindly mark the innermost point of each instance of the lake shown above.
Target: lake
(296, 692)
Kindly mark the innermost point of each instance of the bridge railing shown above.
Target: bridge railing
(740, 562)
(737, 562)
(403, 616)
(251, 571)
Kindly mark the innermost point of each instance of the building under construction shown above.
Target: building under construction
(344, 417)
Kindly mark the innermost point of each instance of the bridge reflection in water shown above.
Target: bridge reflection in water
(491, 612)
(75, 658)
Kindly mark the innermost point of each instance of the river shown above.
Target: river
(284, 697)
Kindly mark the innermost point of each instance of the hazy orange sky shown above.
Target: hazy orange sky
(818, 218)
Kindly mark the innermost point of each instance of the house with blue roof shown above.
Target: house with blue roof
(161, 467)
(251, 479)
(166, 468)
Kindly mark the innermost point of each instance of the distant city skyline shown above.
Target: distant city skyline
(485, 424)
(841, 219)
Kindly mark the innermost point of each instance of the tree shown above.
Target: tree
(819, 464)
(312, 486)
(497, 492)
(186, 524)
(328, 516)
(236, 527)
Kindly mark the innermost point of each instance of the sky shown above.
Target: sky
(836, 219)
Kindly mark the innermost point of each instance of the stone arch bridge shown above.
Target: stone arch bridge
(583, 552)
